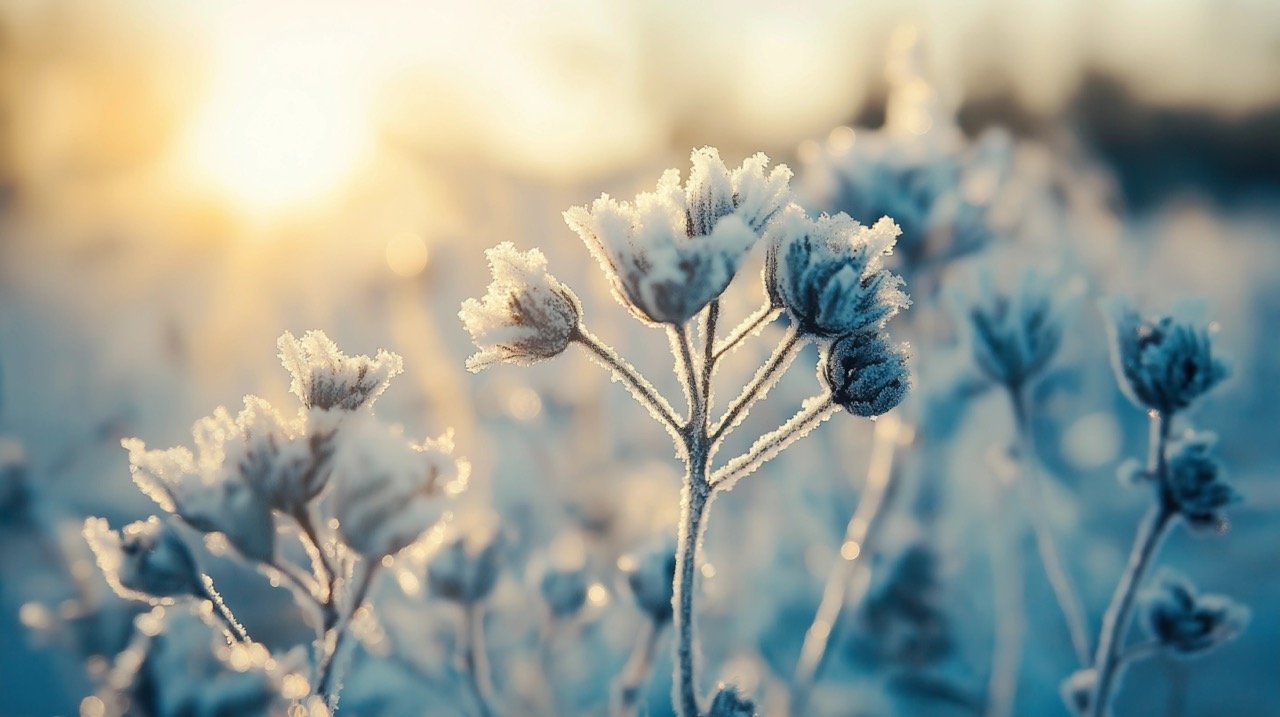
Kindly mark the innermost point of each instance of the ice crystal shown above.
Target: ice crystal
(828, 273)
(670, 252)
(324, 377)
(1163, 363)
(526, 316)
(1186, 622)
(387, 490)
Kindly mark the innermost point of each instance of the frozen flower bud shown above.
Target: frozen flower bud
(651, 576)
(728, 702)
(1013, 335)
(866, 376)
(324, 377)
(1194, 483)
(387, 490)
(1187, 623)
(561, 576)
(147, 560)
(204, 491)
(1162, 364)
(1078, 689)
(526, 316)
(671, 252)
(467, 566)
(828, 273)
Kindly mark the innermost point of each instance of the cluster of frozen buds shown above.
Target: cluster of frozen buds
(356, 491)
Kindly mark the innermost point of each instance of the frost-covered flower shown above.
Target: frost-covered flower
(1013, 335)
(866, 375)
(468, 563)
(1186, 622)
(729, 702)
(671, 252)
(204, 491)
(561, 575)
(651, 575)
(324, 377)
(1164, 363)
(526, 316)
(146, 560)
(1194, 483)
(387, 490)
(828, 273)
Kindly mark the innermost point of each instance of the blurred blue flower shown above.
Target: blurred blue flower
(1187, 623)
(1194, 483)
(1162, 364)
(651, 575)
(1013, 335)
(866, 375)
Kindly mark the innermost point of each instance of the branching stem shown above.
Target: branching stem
(760, 385)
(637, 385)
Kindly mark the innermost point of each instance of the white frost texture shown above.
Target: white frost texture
(324, 377)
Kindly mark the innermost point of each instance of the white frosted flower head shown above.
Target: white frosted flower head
(670, 252)
(324, 377)
(146, 560)
(387, 490)
(202, 490)
(284, 460)
(526, 315)
(829, 274)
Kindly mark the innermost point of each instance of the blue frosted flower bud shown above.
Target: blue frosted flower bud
(1164, 363)
(468, 564)
(828, 273)
(865, 375)
(651, 576)
(1194, 482)
(1013, 335)
(561, 575)
(146, 560)
(729, 702)
(1187, 623)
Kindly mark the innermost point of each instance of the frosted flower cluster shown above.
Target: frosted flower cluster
(672, 251)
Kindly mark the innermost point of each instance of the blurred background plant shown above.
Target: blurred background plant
(180, 183)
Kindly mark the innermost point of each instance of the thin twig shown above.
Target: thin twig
(760, 385)
(1008, 584)
(708, 353)
(680, 346)
(851, 575)
(635, 674)
(210, 593)
(475, 660)
(331, 673)
(812, 413)
(637, 385)
(747, 328)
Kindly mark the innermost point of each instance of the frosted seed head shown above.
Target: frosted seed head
(1163, 363)
(651, 577)
(526, 316)
(828, 273)
(468, 564)
(729, 702)
(147, 560)
(324, 377)
(865, 374)
(387, 490)
(1185, 622)
(1194, 482)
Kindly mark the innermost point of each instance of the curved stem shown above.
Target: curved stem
(814, 411)
(475, 660)
(1010, 612)
(1033, 501)
(748, 327)
(637, 385)
(759, 387)
(635, 674)
(851, 575)
(1115, 624)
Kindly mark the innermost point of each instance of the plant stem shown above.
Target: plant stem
(814, 411)
(475, 660)
(330, 674)
(1033, 501)
(1115, 624)
(1010, 612)
(635, 675)
(751, 325)
(637, 385)
(694, 500)
(764, 380)
(708, 353)
(208, 592)
(850, 576)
